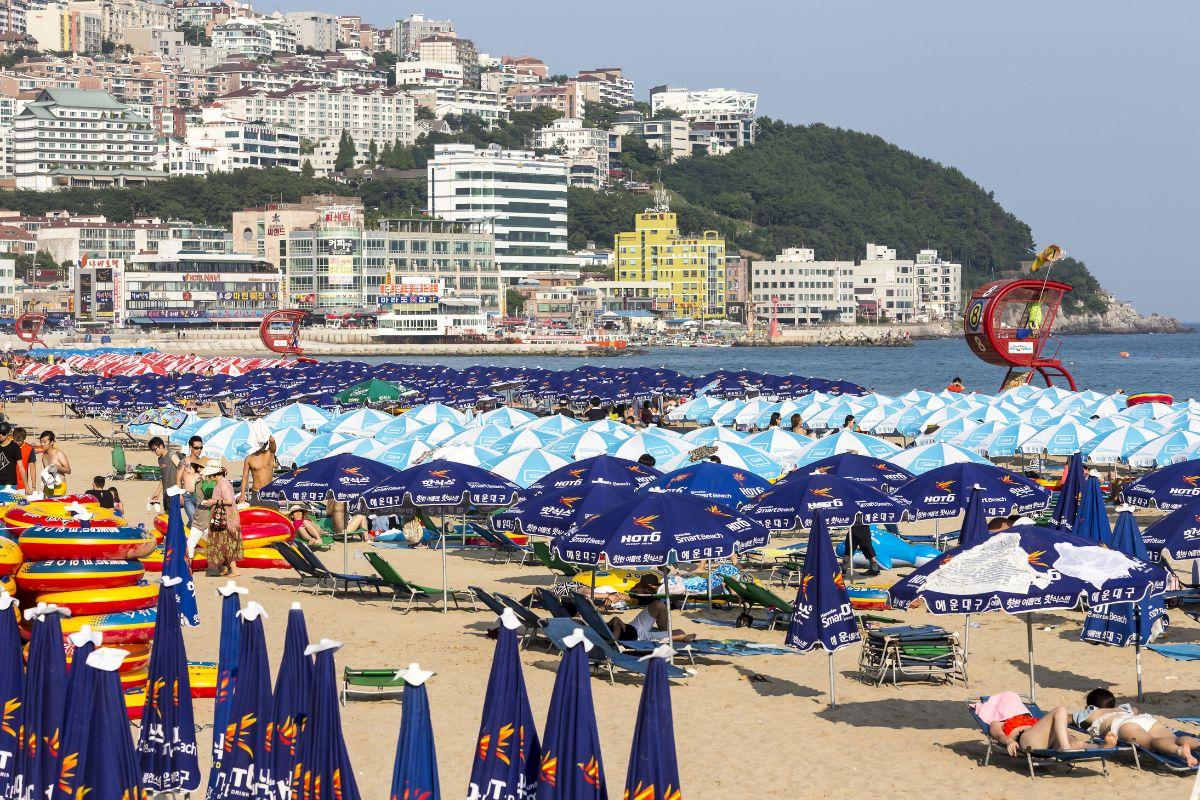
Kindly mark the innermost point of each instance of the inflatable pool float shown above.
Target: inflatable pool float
(622, 580)
(260, 526)
(154, 561)
(139, 656)
(135, 702)
(1149, 397)
(263, 558)
(54, 514)
(867, 598)
(891, 550)
(49, 544)
(66, 576)
(120, 628)
(202, 676)
(9, 585)
(10, 557)
(103, 601)
(134, 678)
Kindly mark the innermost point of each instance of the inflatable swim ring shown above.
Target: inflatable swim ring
(9, 585)
(154, 561)
(263, 558)
(1149, 397)
(10, 557)
(134, 678)
(260, 527)
(54, 514)
(66, 576)
(202, 675)
(867, 598)
(104, 601)
(125, 627)
(135, 702)
(49, 544)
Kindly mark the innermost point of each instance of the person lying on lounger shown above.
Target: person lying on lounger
(1103, 717)
(1019, 730)
(651, 621)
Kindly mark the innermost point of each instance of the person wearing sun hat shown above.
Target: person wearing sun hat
(224, 541)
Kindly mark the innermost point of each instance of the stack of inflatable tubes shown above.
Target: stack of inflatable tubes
(261, 528)
(202, 675)
(57, 513)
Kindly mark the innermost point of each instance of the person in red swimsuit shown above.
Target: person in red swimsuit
(1027, 732)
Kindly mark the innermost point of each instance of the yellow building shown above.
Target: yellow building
(693, 266)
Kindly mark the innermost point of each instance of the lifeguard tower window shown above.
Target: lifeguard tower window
(1020, 314)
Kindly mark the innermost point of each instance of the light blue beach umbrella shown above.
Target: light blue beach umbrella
(583, 443)
(480, 435)
(505, 417)
(723, 414)
(367, 448)
(402, 455)
(396, 429)
(527, 466)
(919, 396)
(1064, 439)
(1009, 439)
(753, 409)
(847, 442)
(739, 456)
(610, 427)
(556, 424)
(902, 418)
(873, 416)
(299, 415)
(1166, 449)
(785, 408)
(1148, 411)
(466, 454)
(957, 428)
(231, 442)
(832, 415)
(1035, 415)
(978, 438)
(919, 460)
(1105, 425)
(781, 445)
(203, 428)
(661, 445)
(995, 413)
(692, 408)
(436, 412)
(1116, 445)
(436, 433)
(713, 433)
(319, 447)
(290, 441)
(1106, 406)
(359, 422)
(526, 438)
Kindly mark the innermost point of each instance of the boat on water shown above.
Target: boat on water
(447, 319)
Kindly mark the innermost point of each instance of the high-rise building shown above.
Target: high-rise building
(694, 266)
(257, 38)
(522, 195)
(727, 113)
(412, 29)
(323, 112)
(447, 48)
(315, 30)
(607, 85)
(65, 29)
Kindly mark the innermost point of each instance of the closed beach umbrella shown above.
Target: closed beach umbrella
(507, 751)
(877, 473)
(526, 467)
(323, 770)
(298, 415)
(974, 528)
(1168, 488)
(166, 747)
(918, 460)
(795, 501)
(176, 564)
(97, 759)
(293, 693)
(227, 662)
(1092, 520)
(12, 686)
(1066, 507)
(79, 645)
(415, 774)
(823, 616)
(243, 768)
(653, 766)
(572, 767)
(847, 442)
(708, 480)
(619, 473)
(43, 706)
(944, 492)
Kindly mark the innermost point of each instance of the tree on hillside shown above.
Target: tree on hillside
(600, 115)
(514, 302)
(345, 153)
(372, 153)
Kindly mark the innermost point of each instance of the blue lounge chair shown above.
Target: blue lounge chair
(603, 655)
(501, 545)
(551, 604)
(592, 617)
(529, 619)
(1069, 758)
(489, 600)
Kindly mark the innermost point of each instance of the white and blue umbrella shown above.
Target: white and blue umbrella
(936, 418)
(781, 445)
(583, 443)
(995, 413)
(957, 428)
(914, 396)
(436, 412)
(526, 438)
(299, 415)
(692, 409)
(1009, 439)
(724, 414)
(1035, 415)
(610, 427)
(466, 454)
(437, 433)
(785, 409)
(1166, 449)
(555, 423)
(1186, 422)
(505, 417)
(739, 456)
(753, 409)
(485, 435)
(525, 467)
(231, 442)
(1148, 411)
(1064, 439)
(359, 422)
(847, 442)
(318, 448)
(662, 445)
(201, 427)
(1116, 445)
(1107, 406)
(873, 416)
(1056, 394)
(977, 438)
(401, 455)
(1105, 425)
(288, 442)
(918, 460)
(906, 421)
(396, 429)
(367, 448)
(713, 433)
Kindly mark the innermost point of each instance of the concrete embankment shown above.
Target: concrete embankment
(856, 335)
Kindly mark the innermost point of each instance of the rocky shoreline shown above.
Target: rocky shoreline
(1120, 318)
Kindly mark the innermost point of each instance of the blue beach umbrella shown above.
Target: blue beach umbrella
(505, 417)
(975, 527)
(732, 454)
(658, 445)
(1168, 488)
(227, 662)
(1117, 623)
(921, 459)
(507, 751)
(795, 501)
(823, 616)
(525, 438)
(571, 766)
(1066, 508)
(583, 442)
(97, 758)
(346, 478)
(653, 766)
(80, 645)
(42, 712)
(318, 448)
(711, 481)
(323, 770)
(12, 685)
(1178, 533)
(299, 415)
(525, 467)
(553, 513)
(243, 768)
(944, 492)
(176, 563)
(293, 693)
(881, 475)
(618, 473)
(713, 433)
(1092, 521)
(783, 446)
(402, 454)
(415, 774)
(166, 747)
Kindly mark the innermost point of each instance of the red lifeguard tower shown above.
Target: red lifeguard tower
(1008, 323)
(28, 328)
(280, 331)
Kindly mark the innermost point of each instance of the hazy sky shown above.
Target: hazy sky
(1076, 113)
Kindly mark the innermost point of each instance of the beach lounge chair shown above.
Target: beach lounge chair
(359, 582)
(551, 603)
(382, 681)
(560, 568)
(489, 600)
(592, 617)
(752, 595)
(529, 619)
(413, 591)
(906, 652)
(501, 545)
(1068, 758)
(302, 567)
(603, 655)
(104, 440)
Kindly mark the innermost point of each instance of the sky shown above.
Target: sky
(1080, 115)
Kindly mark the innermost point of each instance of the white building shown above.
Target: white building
(322, 112)
(8, 284)
(613, 88)
(446, 101)
(314, 30)
(728, 113)
(939, 285)
(117, 16)
(221, 143)
(591, 151)
(78, 137)
(524, 196)
(415, 27)
(796, 289)
(884, 285)
(670, 137)
(257, 38)
(429, 73)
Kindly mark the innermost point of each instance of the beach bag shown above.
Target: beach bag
(219, 518)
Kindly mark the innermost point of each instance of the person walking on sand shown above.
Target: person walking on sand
(168, 467)
(257, 471)
(26, 467)
(55, 466)
(10, 456)
(224, 543)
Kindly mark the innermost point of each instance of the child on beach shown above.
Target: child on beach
(1103, 717)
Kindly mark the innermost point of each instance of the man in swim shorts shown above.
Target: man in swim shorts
(55, 466)
(1102, 716)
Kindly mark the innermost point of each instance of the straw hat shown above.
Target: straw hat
(212, 467)
(297, 507)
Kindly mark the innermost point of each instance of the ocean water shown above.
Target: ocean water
(1156, 363)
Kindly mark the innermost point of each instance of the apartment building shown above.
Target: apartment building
(408, 32)
(78, 239)
(429, 73)
(564, 99)
(315, 30)
(120, 15)
(12, 16)
(75, 137)
(796, 289)
(606, 85)
(256, 38)
(522, 195)
(502, 79)
(938, 286)
(454, 101)
(63, 28)
(447, 48)
(592, 152)
(332, 69)
(670, 137)
(694, 266)
(727, 113)
(220, 143)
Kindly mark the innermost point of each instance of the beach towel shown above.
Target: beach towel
(1178, 652)
(1001, 706)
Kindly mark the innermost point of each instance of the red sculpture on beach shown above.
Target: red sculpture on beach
(1008, 323)
(280, 331)
(28, 328)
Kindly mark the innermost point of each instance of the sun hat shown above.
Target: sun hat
(212, 467)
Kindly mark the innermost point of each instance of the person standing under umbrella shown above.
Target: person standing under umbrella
(224, 546)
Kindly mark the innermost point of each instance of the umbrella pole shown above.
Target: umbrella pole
(832, 690)
(445, 584)
(1029, 638)
(1137, 648)
(666, 570)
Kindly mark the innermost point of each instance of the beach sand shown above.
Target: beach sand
(745, 727)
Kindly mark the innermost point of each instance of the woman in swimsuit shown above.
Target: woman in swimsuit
(1027, 732)
(1103, 717)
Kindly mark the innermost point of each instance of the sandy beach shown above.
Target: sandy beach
(746, 727)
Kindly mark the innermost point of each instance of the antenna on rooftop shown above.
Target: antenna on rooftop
(662, 201)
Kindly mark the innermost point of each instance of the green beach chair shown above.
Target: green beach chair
(414, 591)
(381, 680)
(770, 601)
(560, 568)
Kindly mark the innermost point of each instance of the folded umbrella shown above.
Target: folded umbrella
(653, 766)
(415, 774)
(43, 707)
(323, 770)
(12, 686)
